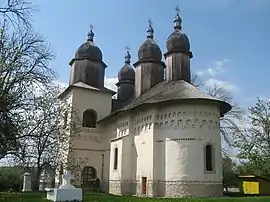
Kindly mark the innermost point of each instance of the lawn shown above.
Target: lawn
(40, 197)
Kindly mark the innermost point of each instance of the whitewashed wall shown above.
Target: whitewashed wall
(181, 133)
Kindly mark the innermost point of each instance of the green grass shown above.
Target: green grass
(40, 197)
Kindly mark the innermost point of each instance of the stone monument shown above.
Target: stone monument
(66, 192)
(26, 182)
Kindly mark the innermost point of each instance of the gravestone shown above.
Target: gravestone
(66, 192)
(26, 182)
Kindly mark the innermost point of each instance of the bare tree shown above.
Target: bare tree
(229, 124)
(46, 144)
(24, 58)
(16, 11)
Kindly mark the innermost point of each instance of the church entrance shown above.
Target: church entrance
(144, 183)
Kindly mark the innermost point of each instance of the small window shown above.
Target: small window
(89, 174)
(209, 158)
(89, 119)
(115, 159)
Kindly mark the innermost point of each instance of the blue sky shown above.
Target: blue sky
(230, 39)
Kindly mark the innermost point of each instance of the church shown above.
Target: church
(158, 135)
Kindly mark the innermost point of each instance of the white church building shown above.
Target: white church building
(160, 136)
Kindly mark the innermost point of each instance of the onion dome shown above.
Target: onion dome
(178, 40)
(149, 50)
(89, 50)
(126, 73)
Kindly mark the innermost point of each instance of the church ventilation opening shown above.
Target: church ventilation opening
(115, 159)
(89, 175)
(89, 119)
(209, 158)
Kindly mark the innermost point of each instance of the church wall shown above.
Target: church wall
(120, 178)
(182, 132)
(88, 146)
(89, 99)
(84, 157)
(107, 132)
(116, 174)
(143, 131)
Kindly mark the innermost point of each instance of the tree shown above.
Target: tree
(229, 173)
(254, 142)
(51, 123)
(16, 11)
(228, 123)
(45, 134)
(11, 178)
(24, 59)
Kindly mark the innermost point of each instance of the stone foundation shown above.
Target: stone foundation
(168, 189)
(124, 187)
(193, 189)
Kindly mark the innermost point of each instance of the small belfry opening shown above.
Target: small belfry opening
(88, 175)
(209, 157)
(89, 119)
(115, 163)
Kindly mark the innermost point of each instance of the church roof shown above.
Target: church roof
(171, 91)
(85, 86)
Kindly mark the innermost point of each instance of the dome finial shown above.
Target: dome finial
(177, 20)
(127, 56)
(150, 30)
(91, 34)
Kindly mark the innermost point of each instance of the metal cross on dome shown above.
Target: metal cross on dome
(177, 9)
(150, 22)
(127, 48)
(91, 27)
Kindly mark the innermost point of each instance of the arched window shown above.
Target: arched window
(89, 119)
(209, 157)
(89, 174)
(115, 163)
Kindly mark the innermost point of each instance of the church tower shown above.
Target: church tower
(149, 70)
(178, 53)
(126, 81)
(87, 66)
(90, 101)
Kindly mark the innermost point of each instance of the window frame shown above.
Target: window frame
(115, 158)
(206, 170)
(89, 119)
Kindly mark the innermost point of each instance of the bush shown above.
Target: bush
(11, 178)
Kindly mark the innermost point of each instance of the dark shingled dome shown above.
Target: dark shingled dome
(178, 42)
(149, 51)
(89, 51)
(126, 73)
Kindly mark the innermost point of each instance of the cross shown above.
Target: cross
(67, 177)
(177, 9)
(91, 27)
(127, 48)
(150, 22)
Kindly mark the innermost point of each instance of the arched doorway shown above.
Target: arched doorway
(89, 175)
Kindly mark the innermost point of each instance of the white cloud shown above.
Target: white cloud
(110, 83)
(215, 69)
(225, 84)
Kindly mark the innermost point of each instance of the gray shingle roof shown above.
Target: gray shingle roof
(169, 91)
